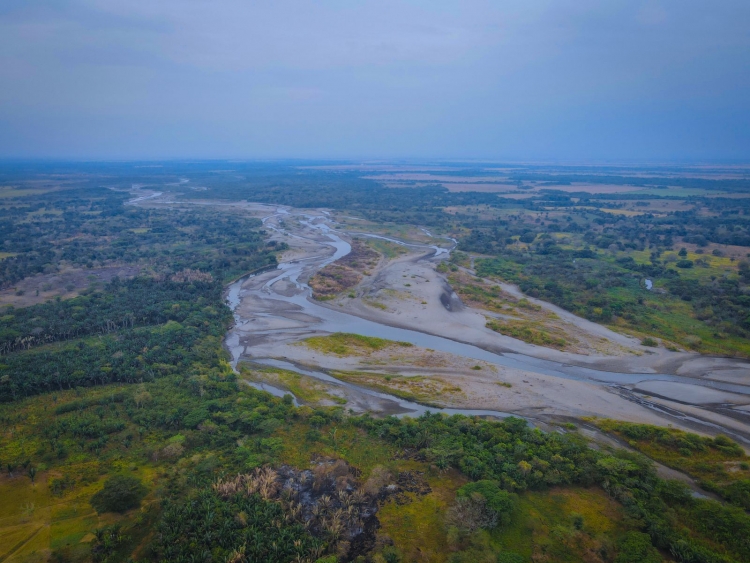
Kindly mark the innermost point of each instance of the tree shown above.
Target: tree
(499, 502)
(141, 397)
(120, 494)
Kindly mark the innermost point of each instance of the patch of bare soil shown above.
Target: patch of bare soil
(66, 283)
(344, 273)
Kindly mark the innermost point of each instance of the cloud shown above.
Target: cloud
(334, 77)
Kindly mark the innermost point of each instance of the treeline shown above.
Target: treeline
(729, 185)
(118, 305)
(129, 356)
(130, 331)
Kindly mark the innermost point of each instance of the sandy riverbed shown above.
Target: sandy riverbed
(274, 314)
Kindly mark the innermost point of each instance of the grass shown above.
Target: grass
(348, 344)
(528, 332)
(672, 319)
(388, 249)
(649, 313)
(351, 444)
(416, 527)
(306, 389)
(421, 389)
(542, 529)
(543, 526)
(33, 520)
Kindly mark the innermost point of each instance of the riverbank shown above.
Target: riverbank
(405, 298)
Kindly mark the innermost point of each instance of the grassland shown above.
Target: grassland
(528, 332)
(416, 523)
(625, 305)
(51, 513)
(425, 390)
(306, 389)
(564, 526)
(388, 249)
(561, 525)
(348, 344)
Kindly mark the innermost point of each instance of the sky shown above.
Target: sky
(553, 80)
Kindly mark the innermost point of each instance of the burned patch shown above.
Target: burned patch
(326, 499)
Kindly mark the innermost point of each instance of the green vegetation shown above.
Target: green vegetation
(92, 229)
(692, 529)
(565, 524)
(347, 344)
(126, 436)
(496, 505)
(101, 341)
(528, 332)
(636, 548)
(717, 463)
(237, 529)
(120, 494)
(594, 264)
(388, 249)
(306, 389)
(426, 390)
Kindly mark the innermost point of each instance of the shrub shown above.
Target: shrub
(636, 548)
(470, 513)
(173, 450)
(499, 504)
(120, 494)
(648, 341)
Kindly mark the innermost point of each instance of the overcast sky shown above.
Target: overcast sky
(565, 80)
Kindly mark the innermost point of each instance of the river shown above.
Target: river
(330, 320)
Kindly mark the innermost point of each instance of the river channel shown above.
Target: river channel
(274, 287)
